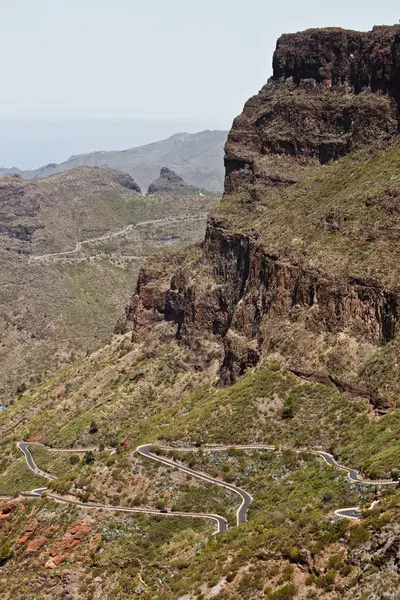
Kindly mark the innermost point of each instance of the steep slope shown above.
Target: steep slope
(291, 302)
(60, 297)
(198, 158)
(300, 259)
(54, 213)
(128, 394)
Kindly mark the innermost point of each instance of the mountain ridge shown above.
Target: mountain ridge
(295, 235)
(198, 158)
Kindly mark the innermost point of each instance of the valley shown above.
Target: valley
(238, 436)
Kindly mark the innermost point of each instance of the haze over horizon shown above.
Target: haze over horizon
(151, 71)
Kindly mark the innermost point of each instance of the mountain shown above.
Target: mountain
(240, 437)
(53, 213)
(197, 157)
(298, 250)
(170, 183)
(59, 297)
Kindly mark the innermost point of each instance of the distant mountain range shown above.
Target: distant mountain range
(198, 158)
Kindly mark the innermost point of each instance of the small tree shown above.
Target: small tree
(89, 457)
(287, 412)
(21, 388)
(93, 427)
(6, 552)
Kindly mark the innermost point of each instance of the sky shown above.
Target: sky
(81, 75)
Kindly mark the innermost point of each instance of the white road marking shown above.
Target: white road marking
(145, 451)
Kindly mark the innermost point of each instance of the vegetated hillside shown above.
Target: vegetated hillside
(197, 157)
(130, 393)
(53, 308)
(52, 214)
(281, 328)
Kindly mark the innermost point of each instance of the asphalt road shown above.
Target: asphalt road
(246, 498)
(23, 446)
(78, 246)
(349, 513)
(352, 474)
(222, 524)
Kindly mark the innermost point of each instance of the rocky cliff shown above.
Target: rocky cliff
(170, 183)
(299, 261)
(332, 91)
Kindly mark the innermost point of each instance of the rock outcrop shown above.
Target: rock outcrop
(170, 183)
(73, 537)
(332, 92)
(9, 508)
(336, 57)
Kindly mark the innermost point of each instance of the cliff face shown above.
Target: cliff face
(332, 91)
(287, 272)
(336, 57)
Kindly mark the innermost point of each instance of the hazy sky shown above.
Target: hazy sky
(188, 61)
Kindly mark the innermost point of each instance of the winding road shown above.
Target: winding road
(246, 498)
(352, 474)
(222, 524)
(128, 229)
(23, 446)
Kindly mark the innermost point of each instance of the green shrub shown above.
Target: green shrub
(287, 412)
(6, 551)
(286, 592)
(93, 427)
(358, 535)
(89, 458)
(335, 561)
(287, 573)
